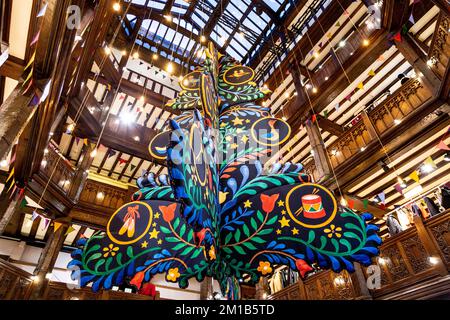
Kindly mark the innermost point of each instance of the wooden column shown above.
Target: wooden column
(81, 174)
(47, 260)
(321, 160)
(206, 288)
(8, 208)
(417, 60)
(429, 244)
(15, 115)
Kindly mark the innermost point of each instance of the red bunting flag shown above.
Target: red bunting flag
(442, 145)
(122, 161)
(399, 188)
(351, 203)
(313, 118)
(397, 37)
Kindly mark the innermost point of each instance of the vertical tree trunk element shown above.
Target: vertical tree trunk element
(319, 151)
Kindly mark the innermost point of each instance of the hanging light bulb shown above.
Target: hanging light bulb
(136, 55)
(342, 43)
(124, 52)
(365, 42)
(155, 56)
(168, 17)
(169, 67)
(314, 90)
(116, 6)
(142, 99)
(94, 153)
(202, 38)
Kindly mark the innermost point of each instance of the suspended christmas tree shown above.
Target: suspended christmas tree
(218, 212)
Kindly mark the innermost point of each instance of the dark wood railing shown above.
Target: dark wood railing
(416, 258)
(104, 196)
(400, 105)
(16, 284)
(58, 169)
(439, 53)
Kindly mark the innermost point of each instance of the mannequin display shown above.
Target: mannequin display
(276, 283)
(445, 197)
(403, 219)
(432, 207)
(423, 207)
(393, 225)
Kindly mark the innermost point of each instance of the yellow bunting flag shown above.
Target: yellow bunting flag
(415, 176)
(10, 175)
(329, 35)
(31, 61)
(429, 161)
(360, 86)
(371, 73)
(85, 141)
(29, 77)
(13, 183)
(69, 230)
(56, 226)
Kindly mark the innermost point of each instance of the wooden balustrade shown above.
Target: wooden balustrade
(311, 169)
(325, 285)
(439, 53)
(416, 258)
(15, 284)
(400, 105)
(63, 291)
(99, 195)
(58, 169)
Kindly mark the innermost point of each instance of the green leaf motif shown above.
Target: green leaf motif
(311, 236)
(258, 240)
(254, 224)
(130, 251)
(260, 216)
(237, 235)
(335, 244)
(228, 238)
(239, 250)
(246, 230)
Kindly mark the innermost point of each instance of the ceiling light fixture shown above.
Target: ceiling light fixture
(366, 42)
(342, 43)
(136, 55)
(116, 6)
(169, 68)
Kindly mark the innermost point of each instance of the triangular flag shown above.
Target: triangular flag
(338, 24)
(380, 58)
(30, 62)
(111, 153)
(10, 175)
(28, 88)
(46, 222)
(122, 97)
(28, 77)
(85, 141)
(329, 35)
(325, 114)
(349, 97)
(313, 118)
(23, 203)
(77, 140)
(371, 73)
(411, 19)
(442, 145)
(429, 161)
(13, 158)
(56, 226)
(41, 13)
(132, 167)
(382, 206)
(337, 107)
(69, 230)
(35, 39)
(399, 188)
(360, 86)
(35, 215)
(365, 203)
(351, 203)
(122, 161)
(397, 37)
(382, 197)
(34, 101)
(415, 176)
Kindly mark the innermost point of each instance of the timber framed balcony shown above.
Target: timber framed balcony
(402, 104)
(439, 53)
(413, 264)
(17, 284)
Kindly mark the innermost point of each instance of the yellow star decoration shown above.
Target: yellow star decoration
(154, 234)
(144, 244)
(294, 231)
(247, 121)
(237, 121)
(157, 215)
(244, 139)
(247, 204)
(234, 146)
(154, 224)
(228, 138)
(159, 241)
(280, 203)
(283, 211)
(223, 124)
(284, 222)
(278, 231)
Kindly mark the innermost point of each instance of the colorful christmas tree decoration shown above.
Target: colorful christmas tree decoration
(218, 212)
